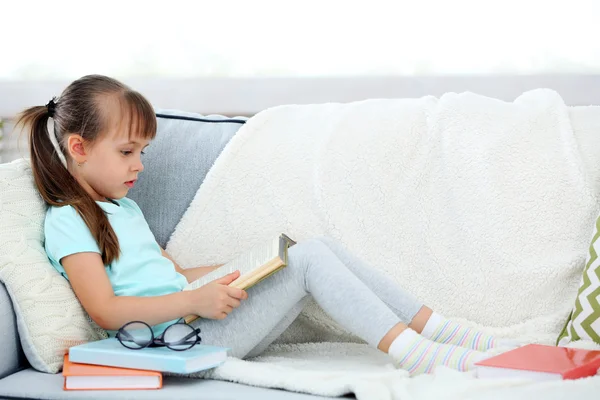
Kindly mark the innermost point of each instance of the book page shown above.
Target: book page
(246, 263)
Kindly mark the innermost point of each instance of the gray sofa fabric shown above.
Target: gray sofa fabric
(11, 357)
(31, 384)
(176, 163)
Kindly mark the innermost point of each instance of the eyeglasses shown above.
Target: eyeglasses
(179, 336)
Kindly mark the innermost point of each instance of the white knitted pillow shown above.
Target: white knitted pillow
(50, 319)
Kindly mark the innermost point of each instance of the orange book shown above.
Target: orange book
(541, 362)
(98, 377)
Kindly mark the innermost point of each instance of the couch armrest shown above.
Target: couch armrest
(11, 357)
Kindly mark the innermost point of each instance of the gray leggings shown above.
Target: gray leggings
(359, 298)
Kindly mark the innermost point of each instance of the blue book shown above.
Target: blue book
(111, 353)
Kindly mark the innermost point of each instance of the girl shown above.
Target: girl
(86, 150)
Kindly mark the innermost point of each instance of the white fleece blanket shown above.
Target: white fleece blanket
(481, 208)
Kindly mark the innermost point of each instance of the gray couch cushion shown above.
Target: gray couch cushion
(11, 356)
(31, 384)
(176, 162)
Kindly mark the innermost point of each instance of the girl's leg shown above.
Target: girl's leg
(279, 328)
(314, 269)
(411, 311)
(405, 305)
(270, 302)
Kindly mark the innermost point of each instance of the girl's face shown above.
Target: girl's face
(112, 165)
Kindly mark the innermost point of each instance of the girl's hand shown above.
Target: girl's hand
(216, 300)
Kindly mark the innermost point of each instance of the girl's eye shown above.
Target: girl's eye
(128, 152)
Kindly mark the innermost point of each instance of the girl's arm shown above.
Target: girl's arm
(94, 291)
(191, 274)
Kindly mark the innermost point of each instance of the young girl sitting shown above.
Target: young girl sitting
(86, 153)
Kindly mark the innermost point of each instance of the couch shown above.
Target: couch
(176, 163)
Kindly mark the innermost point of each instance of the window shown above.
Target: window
(61, 39)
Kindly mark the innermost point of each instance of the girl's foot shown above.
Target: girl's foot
(418, 355)
(442, 330)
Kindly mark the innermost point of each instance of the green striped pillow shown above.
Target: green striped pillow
(584, 321)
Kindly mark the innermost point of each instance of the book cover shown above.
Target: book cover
(97, 377)
(541, 362)
(110, 352)
(254, 265)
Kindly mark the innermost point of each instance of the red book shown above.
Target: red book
(541, 362)
(99, 377)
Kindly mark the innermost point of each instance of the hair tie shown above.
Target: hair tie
(51, 106)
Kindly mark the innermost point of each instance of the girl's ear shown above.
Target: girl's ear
(76, 148)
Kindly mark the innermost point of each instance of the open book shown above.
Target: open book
(254, 265)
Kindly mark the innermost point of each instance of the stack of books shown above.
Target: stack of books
(98, 377)
(108, 365)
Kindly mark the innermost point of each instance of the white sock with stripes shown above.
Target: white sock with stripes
(442, 330)
(418, 355)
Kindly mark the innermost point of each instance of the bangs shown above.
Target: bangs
(139, 114)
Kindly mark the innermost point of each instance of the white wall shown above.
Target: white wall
(247, 96)
(250, 95)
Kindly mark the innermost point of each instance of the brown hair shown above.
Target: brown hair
(80, 110)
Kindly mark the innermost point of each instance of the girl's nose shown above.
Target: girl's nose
(139, 166)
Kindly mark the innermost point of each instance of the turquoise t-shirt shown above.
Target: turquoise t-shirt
(141, 269)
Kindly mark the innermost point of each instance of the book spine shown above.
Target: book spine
(132, 360)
